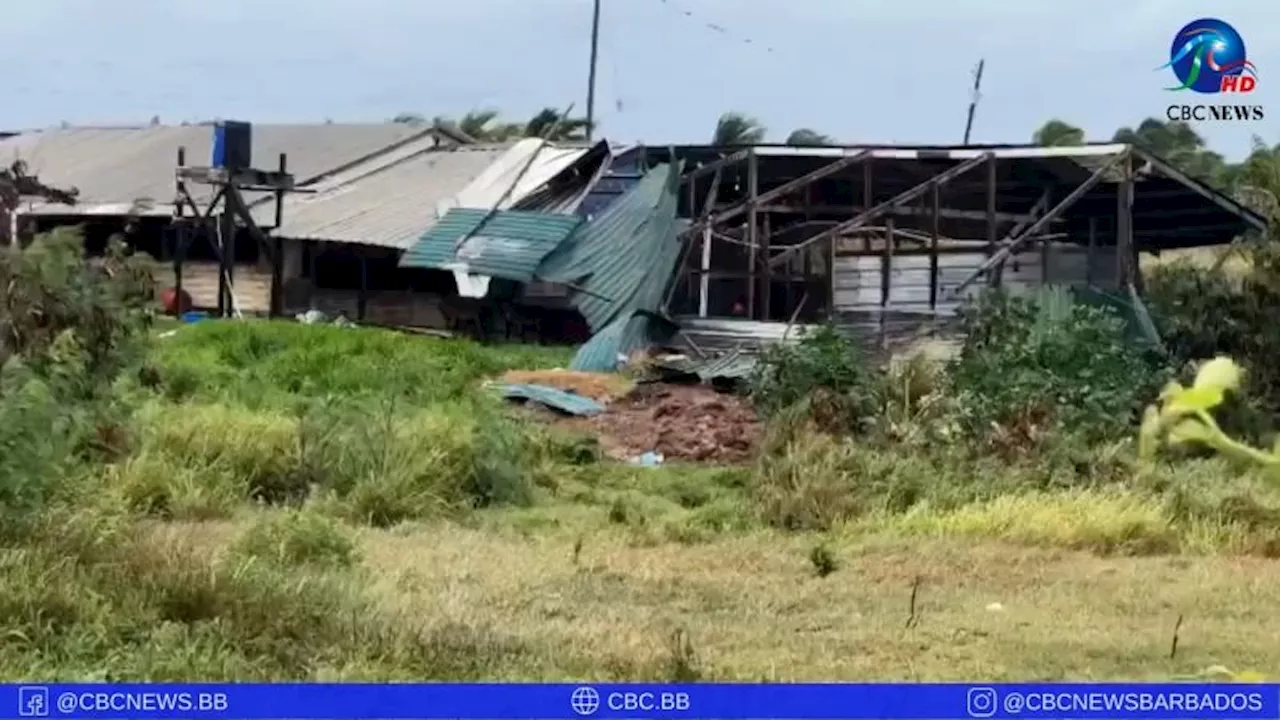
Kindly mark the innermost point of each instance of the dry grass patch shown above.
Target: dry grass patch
(754, 609)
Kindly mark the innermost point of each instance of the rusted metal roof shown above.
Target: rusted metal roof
(119, 169)
(389, 200)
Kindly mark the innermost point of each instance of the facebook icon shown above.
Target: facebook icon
(33, 702)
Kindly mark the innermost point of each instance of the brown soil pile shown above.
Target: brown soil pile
(683, 422)
(601, 387)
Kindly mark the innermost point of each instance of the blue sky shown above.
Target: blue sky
(861, 70)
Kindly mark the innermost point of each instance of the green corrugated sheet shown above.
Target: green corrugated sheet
(1140, 329)
(736, 365)
(618, 266)
(509, 244)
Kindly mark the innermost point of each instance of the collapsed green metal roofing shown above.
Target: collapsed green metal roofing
(618, 266)
(507, 244)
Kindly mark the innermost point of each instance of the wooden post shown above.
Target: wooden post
(767, 282)
(362, 299)
(1091, 251)
(277, 250)
(992, 227)
(868, 197)
(934, 235)
(753, 190)
(704, 275)
(886, 262)
(227, 243)
(181, 231)
(1125, 258)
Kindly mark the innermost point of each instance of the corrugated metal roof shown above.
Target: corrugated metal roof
(620, 259)
(734, 333)
(554, 398)
(507, 244)
(734, 365)
(117, 166)
(537, 159)
(389, 200)
(618, 266)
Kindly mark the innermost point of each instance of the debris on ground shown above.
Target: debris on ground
(552, 398)
(675, 422)
(649, 459)
(601, 387)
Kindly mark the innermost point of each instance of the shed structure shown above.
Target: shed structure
(889, 241)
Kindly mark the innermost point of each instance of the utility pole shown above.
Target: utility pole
(591, 74)
(973, 102)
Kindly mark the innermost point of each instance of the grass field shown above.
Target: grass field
(325, 503)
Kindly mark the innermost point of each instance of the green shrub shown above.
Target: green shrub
(1203, 312)
(1031, 366)
(824, 369)
(297, 537)
(69, 328)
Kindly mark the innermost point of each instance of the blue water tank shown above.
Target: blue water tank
(232, 145)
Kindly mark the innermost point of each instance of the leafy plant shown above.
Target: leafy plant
(825, 369)
(1182, 416)
(1203, 312)
(1030, 366)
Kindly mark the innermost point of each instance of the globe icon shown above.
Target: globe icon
(585, 701)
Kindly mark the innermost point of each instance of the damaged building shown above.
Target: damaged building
(709, 249)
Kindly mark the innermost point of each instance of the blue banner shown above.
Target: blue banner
(607, 701)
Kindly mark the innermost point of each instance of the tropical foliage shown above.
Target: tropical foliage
(487, 125)
(1255, 182)
(1182, 416)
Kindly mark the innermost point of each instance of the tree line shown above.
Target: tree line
(1255, 181)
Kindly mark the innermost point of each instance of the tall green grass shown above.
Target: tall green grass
(265, 364)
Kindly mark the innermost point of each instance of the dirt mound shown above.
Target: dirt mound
(683, 422)
(601, 387)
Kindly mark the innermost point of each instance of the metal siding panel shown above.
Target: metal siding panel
(509, 245)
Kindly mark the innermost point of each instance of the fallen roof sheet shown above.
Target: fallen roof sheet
(734, 365)
(387, 201)
(617, 268)
(123, 169)
(554, 398)
(508, 244)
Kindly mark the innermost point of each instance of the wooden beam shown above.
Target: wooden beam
(1045, 219)
(947, 213)
(883, 208)
(784, 189)
(720, 164)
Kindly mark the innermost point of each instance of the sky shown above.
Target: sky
(863, 71)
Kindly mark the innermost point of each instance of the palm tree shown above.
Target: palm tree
(549, 125)
(735, 128)
(1057, 133)
(804, 137)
